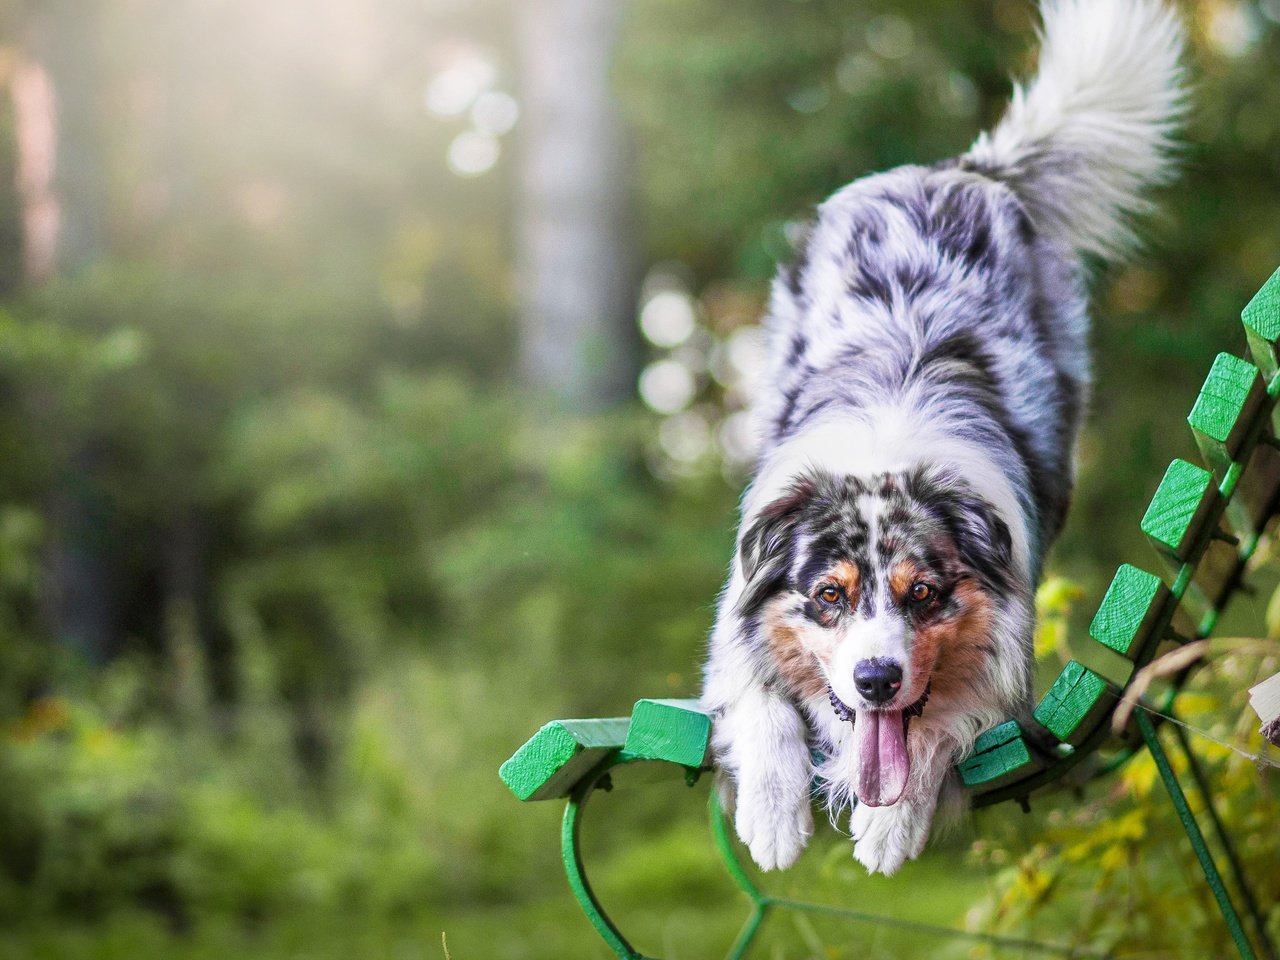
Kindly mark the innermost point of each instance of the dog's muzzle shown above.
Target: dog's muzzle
(915, 710)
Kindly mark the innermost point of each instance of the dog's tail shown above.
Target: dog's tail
(1095, 128)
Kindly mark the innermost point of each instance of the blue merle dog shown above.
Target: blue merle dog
(928, 376)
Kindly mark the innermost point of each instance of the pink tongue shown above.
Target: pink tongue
(882, 757)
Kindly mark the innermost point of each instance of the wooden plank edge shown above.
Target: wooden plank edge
(678, 731)
(551, 762)
(1076, 702)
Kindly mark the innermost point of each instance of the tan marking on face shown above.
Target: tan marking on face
(904, 575)
(797, 651)
(845, 575)
(953, 652)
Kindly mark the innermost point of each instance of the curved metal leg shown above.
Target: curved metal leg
(577, 875)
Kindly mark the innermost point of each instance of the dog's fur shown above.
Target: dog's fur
(928, 376)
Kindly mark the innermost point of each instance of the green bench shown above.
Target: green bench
(1221, 507)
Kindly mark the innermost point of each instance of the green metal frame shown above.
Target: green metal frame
(1235, 413)
(571, 850)
(1207, 864)
(762, 903)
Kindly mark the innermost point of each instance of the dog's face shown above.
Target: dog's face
(879, 593)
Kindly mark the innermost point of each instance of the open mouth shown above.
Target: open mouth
(883, 763)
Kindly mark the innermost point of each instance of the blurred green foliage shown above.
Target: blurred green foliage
(354, 565)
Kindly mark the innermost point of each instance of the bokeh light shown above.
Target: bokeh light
(668, 318)
(452, 91)
(1233, 28)
(667, 386)
(685, 437)
(809, 99)
(472, 153)
(890, 37)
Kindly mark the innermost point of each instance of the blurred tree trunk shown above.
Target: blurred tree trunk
(62, 186)
(574, 257)
(61, 138)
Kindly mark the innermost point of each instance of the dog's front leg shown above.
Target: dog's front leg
(761, 746)
(887, 837)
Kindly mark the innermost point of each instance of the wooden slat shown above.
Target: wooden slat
(555, 758)
(1258, 493)
(1000, 756)
(1225, 410)
(1261, 318)
(1076, 703)
(1215, 574)
(674, 730)
(1179, 511)
(1131, 612)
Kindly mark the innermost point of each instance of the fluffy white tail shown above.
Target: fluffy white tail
(1095, 128)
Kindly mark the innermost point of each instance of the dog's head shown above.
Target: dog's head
(879, 593)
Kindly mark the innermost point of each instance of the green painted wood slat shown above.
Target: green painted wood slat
(554, 759)
(1261, 318)
(1000, 756)
(1225, 409)
(1132, 613)
(674, 730)
(1176, 518)
(1075, 704)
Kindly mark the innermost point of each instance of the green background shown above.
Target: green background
(354, 562)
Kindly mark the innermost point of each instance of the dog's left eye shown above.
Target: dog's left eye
(921, 592)
(829, 594)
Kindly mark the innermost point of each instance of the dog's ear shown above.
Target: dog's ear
(982, 538)
(765, 551)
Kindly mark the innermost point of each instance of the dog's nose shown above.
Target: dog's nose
(877, 679)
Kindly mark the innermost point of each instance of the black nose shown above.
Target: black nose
(877, 679)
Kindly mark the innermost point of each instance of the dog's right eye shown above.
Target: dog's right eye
(922, 593)
(829, 594)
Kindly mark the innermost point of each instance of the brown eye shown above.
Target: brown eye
(829, 594)
(921, 593)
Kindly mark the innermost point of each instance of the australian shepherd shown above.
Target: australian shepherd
(928, 376)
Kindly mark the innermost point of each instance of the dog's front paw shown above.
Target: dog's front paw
(774, 824)
(887, 837)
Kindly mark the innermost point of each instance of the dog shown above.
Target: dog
(928, 371)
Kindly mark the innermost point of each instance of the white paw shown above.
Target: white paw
(887, 837)
(774, 823)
